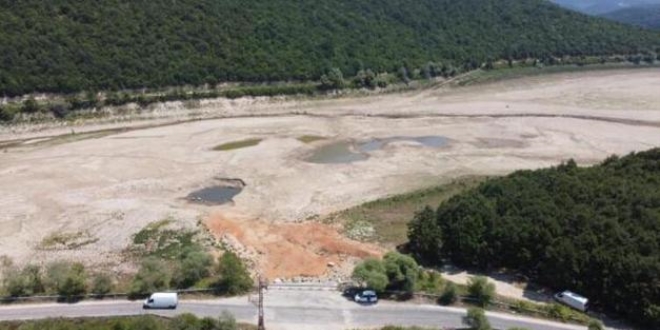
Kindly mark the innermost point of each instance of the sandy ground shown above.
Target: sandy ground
(111, 186)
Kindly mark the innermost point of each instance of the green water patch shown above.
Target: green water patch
(237, 145)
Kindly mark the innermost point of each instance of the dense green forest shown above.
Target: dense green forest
(648, 16)
(593, 230)
(68, 46)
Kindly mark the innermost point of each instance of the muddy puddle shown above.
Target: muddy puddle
(222, 193)
(345, 152)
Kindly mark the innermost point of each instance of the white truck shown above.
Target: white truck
(161, 300)
(573, 300)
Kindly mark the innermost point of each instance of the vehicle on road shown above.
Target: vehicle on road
(572, 299)
(161, 300)
(366, 297)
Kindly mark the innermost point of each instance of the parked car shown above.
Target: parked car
(366, 297)
(574, 300)
(161, 300)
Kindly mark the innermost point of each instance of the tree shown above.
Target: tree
(101, 284)
(476, 319)
(480, 289)
(449, 294)
(152, 276)
(425, 236)
(234, 276)
(371, 272)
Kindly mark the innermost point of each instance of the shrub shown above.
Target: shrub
(595, 325)
(13, 282)
(480, 289)
(234, 276)
(371, 273)
(66, 279)
(559, 312)
(476, 319)
(226, 321)
(153, 276)
(33, 280)
(101, 284)
(402, 271)
(449, 294)
(184, 321)
(193, 266)
(30, 106)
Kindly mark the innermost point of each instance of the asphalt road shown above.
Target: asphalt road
(288, 311)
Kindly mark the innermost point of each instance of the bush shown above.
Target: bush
(476, 319)
(480, 289)
(153, 276)
(30, 106)
(66, 279)
(371, 273)
(6, 114)
(429, 281)
(449, 294)
(101, 284)
(13, 282)
(193, 266)
(226, 321)
(595, 325)
(560, 312)
(333, 80)
(32, 279)
(234, 276)
(402, 271)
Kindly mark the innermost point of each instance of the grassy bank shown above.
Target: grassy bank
(385, 220)
(529, 70)
(185, 321)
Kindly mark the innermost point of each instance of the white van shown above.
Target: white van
(161, 300)
(573, 300)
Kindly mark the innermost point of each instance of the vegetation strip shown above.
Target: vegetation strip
(237, 145)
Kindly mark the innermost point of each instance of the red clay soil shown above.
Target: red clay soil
(288, 250)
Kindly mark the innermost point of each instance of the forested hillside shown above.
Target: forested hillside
(648, 16)
(67, 45)
(593, 230)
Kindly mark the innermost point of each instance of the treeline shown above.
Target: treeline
(67, 46)
(593, 230)
(180, 322)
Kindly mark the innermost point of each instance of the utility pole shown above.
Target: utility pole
(262, 287)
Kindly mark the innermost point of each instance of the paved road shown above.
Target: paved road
(289, 311)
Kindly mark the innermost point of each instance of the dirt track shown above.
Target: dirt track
(112, 186)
